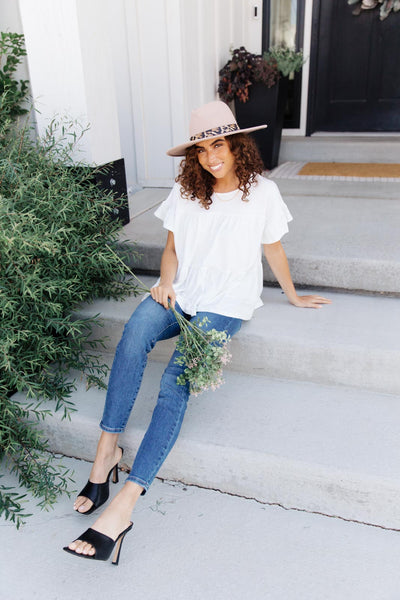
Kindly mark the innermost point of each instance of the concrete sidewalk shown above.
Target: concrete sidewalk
(195, 544)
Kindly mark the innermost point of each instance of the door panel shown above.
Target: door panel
(357, 83)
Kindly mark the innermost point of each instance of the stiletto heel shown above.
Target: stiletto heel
(98, 492)
(102, 544)
(115, 478)
(118, 547)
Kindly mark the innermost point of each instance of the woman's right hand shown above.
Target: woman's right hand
(162, 294)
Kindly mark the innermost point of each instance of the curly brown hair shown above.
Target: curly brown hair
(198, 184)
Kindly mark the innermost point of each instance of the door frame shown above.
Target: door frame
(312, 81)
(294, 122)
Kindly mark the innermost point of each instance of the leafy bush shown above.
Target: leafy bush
(57, 245)
(12, 92)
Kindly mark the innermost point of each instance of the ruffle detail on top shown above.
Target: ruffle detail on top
(219, 249)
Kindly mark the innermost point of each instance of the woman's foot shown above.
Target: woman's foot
(114, 519)
(105, 460)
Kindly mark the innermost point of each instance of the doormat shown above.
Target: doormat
(371, 172)
(367, 170)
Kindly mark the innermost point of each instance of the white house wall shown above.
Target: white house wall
(119, 43)
(176, 51)
(71, 71)
(133, 69)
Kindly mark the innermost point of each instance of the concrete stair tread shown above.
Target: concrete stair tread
(356, 320)
(323, 448)
(344, 229)
(353, 341)
(336, 242)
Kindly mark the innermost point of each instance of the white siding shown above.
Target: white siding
(71, 71)
(176, 51)
(133, 69)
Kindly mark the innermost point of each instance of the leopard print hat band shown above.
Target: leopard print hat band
(214, 119)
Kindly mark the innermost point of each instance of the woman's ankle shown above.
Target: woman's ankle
(107, 444)
(128, 495)
(107, 455)
(107, 449)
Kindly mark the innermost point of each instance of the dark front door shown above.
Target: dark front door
(355, 69)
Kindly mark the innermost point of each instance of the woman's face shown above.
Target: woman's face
(215, 156)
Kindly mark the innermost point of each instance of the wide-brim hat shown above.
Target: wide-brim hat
(211, 120)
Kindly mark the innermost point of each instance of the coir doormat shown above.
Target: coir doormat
(323, 169)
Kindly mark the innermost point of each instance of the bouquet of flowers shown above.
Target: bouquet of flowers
(203, 351)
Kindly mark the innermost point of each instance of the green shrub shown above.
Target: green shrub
(57, 244)
(12, 92)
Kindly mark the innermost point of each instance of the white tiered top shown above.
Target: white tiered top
(219, 249)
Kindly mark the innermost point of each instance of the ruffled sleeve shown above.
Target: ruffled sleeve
(277, 216)
(167, 210)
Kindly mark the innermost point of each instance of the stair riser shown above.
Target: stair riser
(339, 189)
(381, 277)
(346, 274)
(266, 478)
(340, 149)
(283, 358)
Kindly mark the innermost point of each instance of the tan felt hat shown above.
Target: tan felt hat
(211, 120)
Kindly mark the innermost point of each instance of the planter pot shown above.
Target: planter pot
(265, 105)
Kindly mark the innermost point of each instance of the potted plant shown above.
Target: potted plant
(258, 86)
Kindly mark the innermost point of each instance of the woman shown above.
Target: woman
(219, 213)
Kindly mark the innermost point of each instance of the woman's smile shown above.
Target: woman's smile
(216, 167)
(216, 157)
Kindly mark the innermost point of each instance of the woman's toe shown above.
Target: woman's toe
(74, 545)
(82, 504)
(87, 549)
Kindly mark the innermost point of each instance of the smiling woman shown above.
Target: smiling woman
(218, 166)
(211, 272)
(216, 157)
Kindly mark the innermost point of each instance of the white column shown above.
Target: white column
(154, 41)
(71, 71)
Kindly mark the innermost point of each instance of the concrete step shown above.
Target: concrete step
(341, 148)
(354, 341)
(334, 242)
(331, 450)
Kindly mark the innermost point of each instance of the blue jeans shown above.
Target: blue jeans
(150, 323)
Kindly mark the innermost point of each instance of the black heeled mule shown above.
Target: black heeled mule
(98, 492)
(102, 544)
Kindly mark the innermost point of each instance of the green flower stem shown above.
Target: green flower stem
(202, 353)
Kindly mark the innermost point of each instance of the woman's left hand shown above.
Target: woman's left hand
(310, 301)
